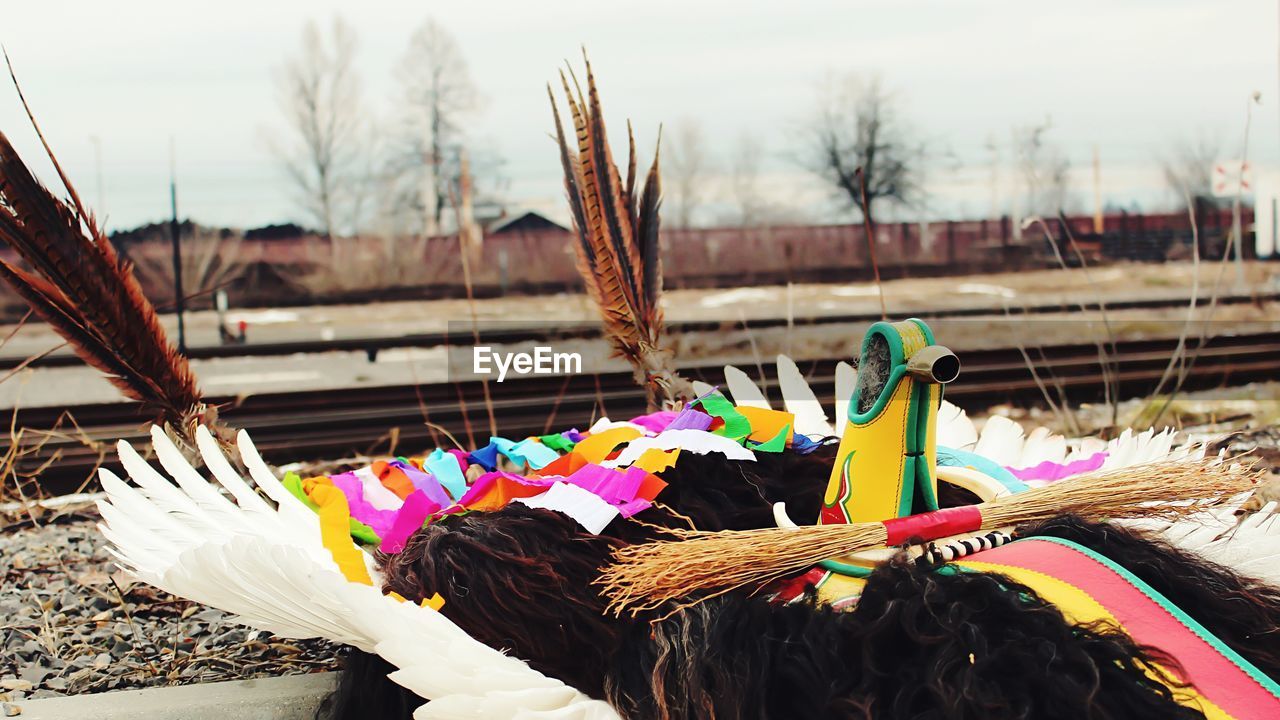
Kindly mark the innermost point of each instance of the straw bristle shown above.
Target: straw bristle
(645, 576)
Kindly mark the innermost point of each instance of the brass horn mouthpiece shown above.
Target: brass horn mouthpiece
(934, 364)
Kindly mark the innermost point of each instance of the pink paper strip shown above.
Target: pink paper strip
(655, 422)
(628, 509)
(484, 484)
(1049, 470)
(378, 520)
(462, 459)
(415, 511)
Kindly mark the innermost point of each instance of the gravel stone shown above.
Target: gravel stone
(74, 623)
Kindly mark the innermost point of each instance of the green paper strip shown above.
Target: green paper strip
(736, 425)
(777, 443)
(557, 442)
(359, 530)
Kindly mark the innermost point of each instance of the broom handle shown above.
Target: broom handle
(933, 525)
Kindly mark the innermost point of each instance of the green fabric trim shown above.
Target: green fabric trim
(897, 364)
(923, 416)
(846, 569)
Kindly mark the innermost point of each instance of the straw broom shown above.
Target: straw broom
(647, 575)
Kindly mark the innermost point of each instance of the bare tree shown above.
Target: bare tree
(744, 181)
(438, 96)
(1188, 168)
(1043, 169)
(856, 125)
(211, 260)
(685, 166)
(320, 95)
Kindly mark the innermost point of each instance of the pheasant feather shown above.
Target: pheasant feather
(75, 281)
(617, 251)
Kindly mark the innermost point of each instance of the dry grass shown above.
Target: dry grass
(211, 260)
(25, 459)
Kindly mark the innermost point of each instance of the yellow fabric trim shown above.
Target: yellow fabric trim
(931, 436)
(913, 339)
(1080, 607)
(836, 590)
(875, 472)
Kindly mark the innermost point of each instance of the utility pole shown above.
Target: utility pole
(175, 234)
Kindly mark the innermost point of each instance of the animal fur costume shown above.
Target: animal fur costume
(918, 645)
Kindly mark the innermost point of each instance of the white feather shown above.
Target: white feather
(742, 388)
(268, 566)
(1000, 441)
(800, 400)
(1040, 446)
(226, 475)
(955, 429)
(846, 381)
(700, 388)
(1248, 545)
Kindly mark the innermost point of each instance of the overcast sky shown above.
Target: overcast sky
(1130, 76)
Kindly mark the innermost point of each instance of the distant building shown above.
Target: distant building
(521, 222)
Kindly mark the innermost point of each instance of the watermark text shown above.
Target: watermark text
(542, 361)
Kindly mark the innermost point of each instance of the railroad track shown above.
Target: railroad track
(336, 423)
(524, 332)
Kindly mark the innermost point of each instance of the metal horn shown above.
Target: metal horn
(935, 364)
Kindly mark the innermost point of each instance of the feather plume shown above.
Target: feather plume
(618, 240)
(270, 565)
(76, 282)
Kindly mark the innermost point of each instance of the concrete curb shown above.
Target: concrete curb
(293, 697)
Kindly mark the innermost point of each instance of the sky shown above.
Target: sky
(121, 80)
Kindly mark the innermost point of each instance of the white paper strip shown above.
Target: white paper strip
(694, 441)
(591, 512)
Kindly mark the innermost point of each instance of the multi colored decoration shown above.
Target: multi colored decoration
(616, 464)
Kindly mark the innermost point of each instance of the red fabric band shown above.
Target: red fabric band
(933, 525)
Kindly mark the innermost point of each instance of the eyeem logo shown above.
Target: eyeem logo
(542, 361)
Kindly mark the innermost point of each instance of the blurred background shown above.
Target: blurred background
(329, 198)
(331, 204)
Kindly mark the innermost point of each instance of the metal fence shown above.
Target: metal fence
(311, 269)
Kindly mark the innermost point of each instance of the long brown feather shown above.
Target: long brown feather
(87, 293)
(629, 194)
(617, 248)
(647, 225)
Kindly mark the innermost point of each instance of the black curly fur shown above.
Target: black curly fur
(502, 574)
(519, 579)
(919, 645)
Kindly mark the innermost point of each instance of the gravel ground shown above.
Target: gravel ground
(73, 623)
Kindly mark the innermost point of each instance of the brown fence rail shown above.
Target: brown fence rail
(309, 269)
